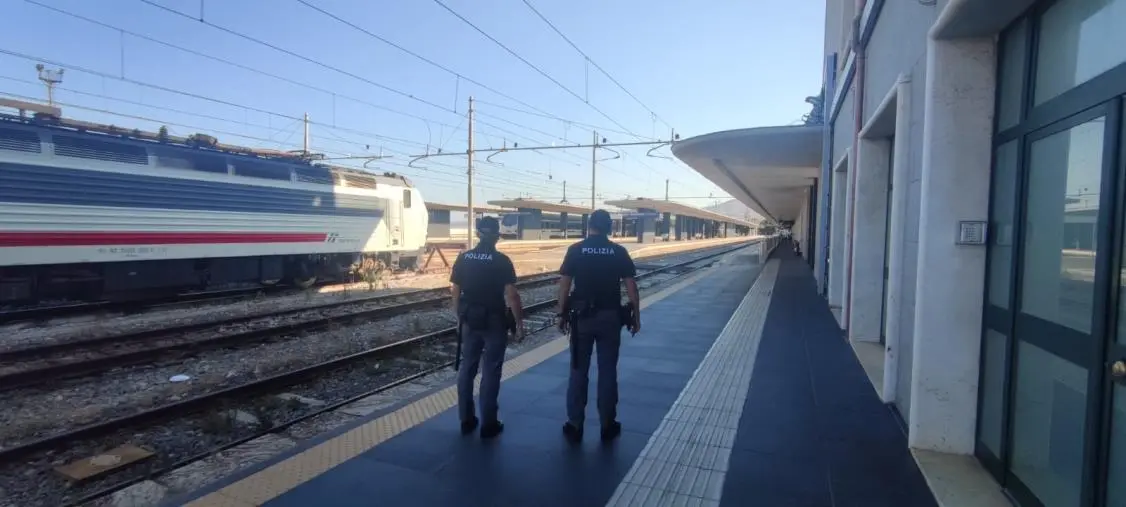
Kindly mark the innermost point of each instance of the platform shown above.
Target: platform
(739, 391)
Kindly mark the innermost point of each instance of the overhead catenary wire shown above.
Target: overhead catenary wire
(313, 61)
(122, 78)
(595, 64)
(283, 78)
(532, 65)
(455, 73)
(445, 175)
(307, 59)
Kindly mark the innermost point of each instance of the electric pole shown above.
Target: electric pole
(469, 176)
(564, 201)
(305, 150)
(593, 167)
(666, 189)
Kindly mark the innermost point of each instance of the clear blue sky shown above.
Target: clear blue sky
(700, 66)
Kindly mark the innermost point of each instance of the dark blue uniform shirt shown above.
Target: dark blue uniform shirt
(597, 267)
(481, 274)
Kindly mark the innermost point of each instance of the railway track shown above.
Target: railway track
(164, 302)
(42, 313)
(30, 366)
(41, 364)
(424, 354)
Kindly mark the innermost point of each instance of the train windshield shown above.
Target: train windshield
(510, 219)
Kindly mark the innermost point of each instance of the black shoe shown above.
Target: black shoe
(490, 430)
(572, 432)
(612, 430)
(468, 426)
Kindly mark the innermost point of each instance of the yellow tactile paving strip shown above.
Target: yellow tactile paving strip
(271, 482)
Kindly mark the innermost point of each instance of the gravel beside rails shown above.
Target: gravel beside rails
(101, 350)
(35, 413)
(26, 334)
(33, 483)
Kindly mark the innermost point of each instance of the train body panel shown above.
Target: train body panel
(73, 202)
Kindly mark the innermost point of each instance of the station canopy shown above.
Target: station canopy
(478, 208)
(676, 208)
(550, 207)
(767, 168)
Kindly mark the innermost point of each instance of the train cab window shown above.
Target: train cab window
(406, 198)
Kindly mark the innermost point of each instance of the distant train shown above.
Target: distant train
(92, 211)
(549, 225)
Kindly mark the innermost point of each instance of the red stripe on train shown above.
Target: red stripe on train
(43, 238)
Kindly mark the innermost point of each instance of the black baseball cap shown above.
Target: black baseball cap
(601, 220)
(488, 226)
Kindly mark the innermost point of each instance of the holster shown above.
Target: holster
(572, 317)
(625, 313)
(509, 320)
(457, 355)
(477, 317)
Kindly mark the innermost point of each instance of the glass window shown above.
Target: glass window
(1061, 221)
(992, 391)
(1049, 425)
(1079, 39)
(1012, 67)
(1003, 197)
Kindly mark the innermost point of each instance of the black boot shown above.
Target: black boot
(572, 432)
(611, 430)
(468, 426)
(490, 430)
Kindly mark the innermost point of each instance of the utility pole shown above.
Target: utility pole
(666, 189)
(593, 167)
(469, 177)
(305, 150)
(564, 201)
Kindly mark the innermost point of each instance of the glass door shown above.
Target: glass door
(1114, 422)
(1060, 306)
(1115, 477)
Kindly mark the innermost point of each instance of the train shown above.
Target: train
(549, 223)
(91, 212)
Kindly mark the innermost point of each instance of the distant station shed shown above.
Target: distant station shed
(529, 220)
(439, 225)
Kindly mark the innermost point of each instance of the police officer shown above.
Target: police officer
(594, 315)
(482, 280)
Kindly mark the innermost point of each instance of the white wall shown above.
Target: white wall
(898, 46)
(944, 137)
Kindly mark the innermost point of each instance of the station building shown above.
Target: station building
(961, 204)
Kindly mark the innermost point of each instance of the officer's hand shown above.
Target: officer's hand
(520, 333)
(635, 327)
(563, 324)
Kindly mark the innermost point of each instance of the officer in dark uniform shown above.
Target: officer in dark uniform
(482, 280)
(594, 315)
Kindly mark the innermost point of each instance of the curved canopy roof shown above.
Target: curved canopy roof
(550, 207)
(766, 168)
(676, 208)
(477, 208)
